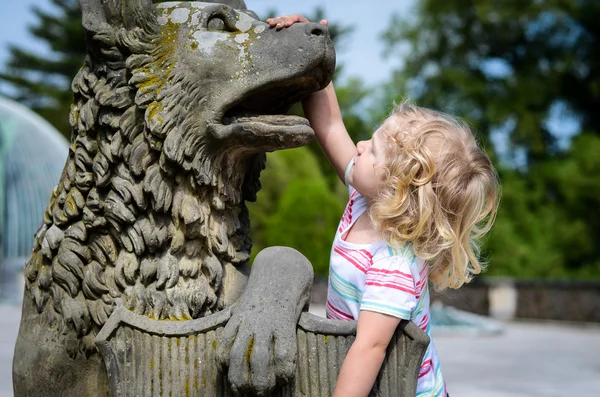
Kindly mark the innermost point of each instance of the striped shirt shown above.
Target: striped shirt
(377, 278)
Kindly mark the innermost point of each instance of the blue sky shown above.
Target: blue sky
(361, 55)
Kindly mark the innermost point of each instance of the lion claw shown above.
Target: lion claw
(259, 341)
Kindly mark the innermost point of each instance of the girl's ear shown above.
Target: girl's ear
(102, 15)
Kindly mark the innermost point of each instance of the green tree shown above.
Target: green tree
(283, 168)
(306, 219)
(302, 198)
(504, 65)
(295, 207)
(520, 73)
(42, 81)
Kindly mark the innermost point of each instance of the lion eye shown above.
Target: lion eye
(216, 23)
(222, 18)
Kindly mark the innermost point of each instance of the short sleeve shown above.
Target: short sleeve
(390, 288)
(348, 168)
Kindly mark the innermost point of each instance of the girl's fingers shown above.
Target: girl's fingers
(300, 18)
(286, 21)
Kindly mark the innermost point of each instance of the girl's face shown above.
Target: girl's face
(365, 174)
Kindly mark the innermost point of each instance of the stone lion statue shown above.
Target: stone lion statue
(174, 108)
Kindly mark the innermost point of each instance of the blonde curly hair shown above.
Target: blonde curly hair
(439, 191)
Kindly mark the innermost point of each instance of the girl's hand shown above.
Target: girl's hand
(288, 20)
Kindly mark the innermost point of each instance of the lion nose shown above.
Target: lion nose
(316, 29)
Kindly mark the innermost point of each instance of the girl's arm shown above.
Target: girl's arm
(323, 112)
(364, 359)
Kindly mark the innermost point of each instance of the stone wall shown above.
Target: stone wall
(561, 300)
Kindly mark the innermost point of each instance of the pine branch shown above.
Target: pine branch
(24, 60)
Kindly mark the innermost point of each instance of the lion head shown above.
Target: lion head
(173, 111)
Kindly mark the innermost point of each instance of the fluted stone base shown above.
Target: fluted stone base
(145, 357)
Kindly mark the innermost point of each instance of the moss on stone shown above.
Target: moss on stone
(248, 355)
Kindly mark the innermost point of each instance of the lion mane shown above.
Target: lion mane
(148, 210)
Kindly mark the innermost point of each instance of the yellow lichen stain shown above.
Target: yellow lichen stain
(177, 342)
(196, 385)
(157, 72)
(246, 62)
(187, 388)
(326, 339)
(194, 45)
(160, 380)
(168, 41)
(75, 111)
(152, 364)
(157, 145)
(248, 355)
(153, 111)
(151, 82)
(71, 206)
(214, 345)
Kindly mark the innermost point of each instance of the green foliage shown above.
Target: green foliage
(283, 166)
(549, 218)
(295, 197)
(502, 65)
(350, 96)
(511, 69)
(306, 219)
(521, 242)
(507, 67)
(302, 198)
(42, 82)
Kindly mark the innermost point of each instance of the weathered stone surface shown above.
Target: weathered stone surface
(145, 357)
(159, 358)
(173, 111)
(259, 341)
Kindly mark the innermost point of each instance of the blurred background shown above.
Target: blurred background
(524, 75)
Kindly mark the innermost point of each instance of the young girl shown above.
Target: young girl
(421, 194)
